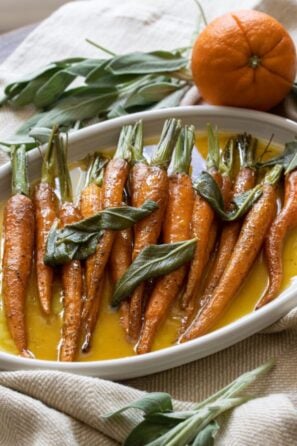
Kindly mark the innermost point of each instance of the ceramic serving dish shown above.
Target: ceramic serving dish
(104, 135)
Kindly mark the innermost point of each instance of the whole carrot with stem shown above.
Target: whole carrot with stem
(154, 186)
(247, 247)
(18, 228)
(225, 168)
(91, 202)
(245, 180)
(115, 177)
(45, 202)
(176, 228)
(284, 221)
(202, 220)
(71, 272)
(121, 254)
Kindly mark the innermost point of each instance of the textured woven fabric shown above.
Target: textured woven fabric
(52, 408)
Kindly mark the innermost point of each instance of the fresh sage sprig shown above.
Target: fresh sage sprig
(111, 87)
(153, 261)
(207, 187)
(288, 158)
(79, 240)
(162, 426)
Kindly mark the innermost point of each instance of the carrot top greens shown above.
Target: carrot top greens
(49, 161)
(123, 150)
(137, 144)
(168, 138)
(20, 183)
(246, 146)
(181, 158)
(63, 170)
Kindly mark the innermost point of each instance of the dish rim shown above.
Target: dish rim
(222, 337)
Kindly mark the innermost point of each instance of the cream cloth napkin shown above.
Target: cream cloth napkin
(52, 408)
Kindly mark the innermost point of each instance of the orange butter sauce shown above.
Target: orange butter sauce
(109, 340)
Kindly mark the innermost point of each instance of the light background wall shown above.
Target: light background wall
(17, 13)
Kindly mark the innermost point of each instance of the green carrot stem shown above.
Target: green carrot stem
(170, 132)
(124, 144)
(246, 146)
(227, 158)
(49, 162)
(273, 176)
(137, 144)
(181, 158)
(20, 183)
(213, 157)
(63, 171)
(96, 169)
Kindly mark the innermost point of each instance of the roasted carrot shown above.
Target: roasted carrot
(176, 228)
(115, 176)
(284, 221)
(202, 219)
(18, 227)
(247, 247)
(154, 186)
(225, 167)
(121, 254)
(91, 202)
(245, 180)
(120, 260)
(91, 321)
(45, 202)
(71, 272)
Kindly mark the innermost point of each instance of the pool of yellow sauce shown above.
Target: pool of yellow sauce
(109, 340)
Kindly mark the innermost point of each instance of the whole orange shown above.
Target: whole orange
(244, 59)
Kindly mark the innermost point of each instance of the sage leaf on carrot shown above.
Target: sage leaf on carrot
(209, 190)
(79, 240)
(153, 261)
(288, 158)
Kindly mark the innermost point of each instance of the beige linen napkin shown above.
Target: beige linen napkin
(52, 408)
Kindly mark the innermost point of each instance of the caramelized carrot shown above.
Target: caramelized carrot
(18, 227)
(225, 166)
(72, 293)
(45, 202)
(245, 180)
(284, 221)
(202, 219)
(154, 186)
(71, 272)
(176, 228)
(91, 321)
(247, 247)
(91, 202)
(115, 176)
(120, 260)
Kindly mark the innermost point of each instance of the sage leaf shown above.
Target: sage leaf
(150, 93)
(173, 99)
(54, 87)
(57, 254)
(288, 158)
(148, 63)
(153, 261)
(149, 404)
(207, 187)
(145, 432)
(72, 109)
(79, 240)
(111, 218)
(27, 94)
(206, 436)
